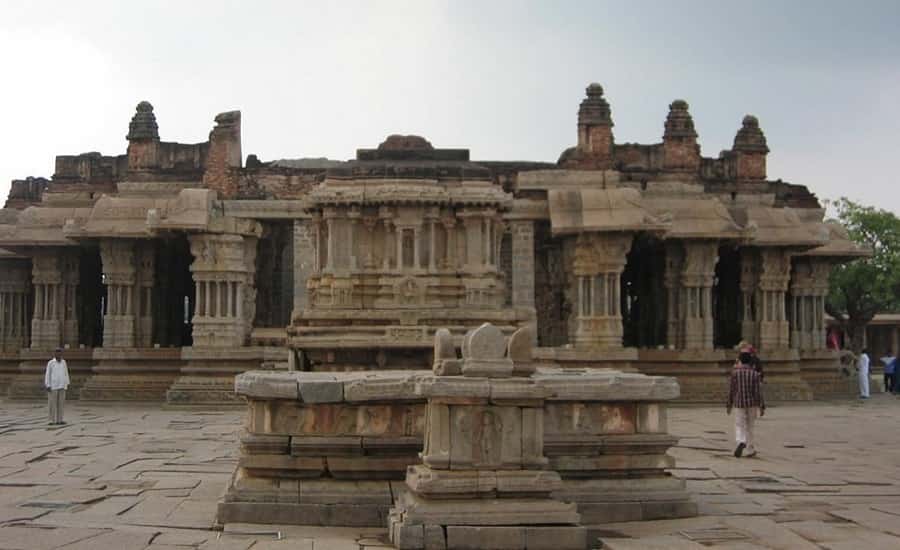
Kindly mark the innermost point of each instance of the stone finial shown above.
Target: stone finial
(750, 137)
(594, 109)
(484, 353)
(519, 350)
(143, 123)
(679, 122)
(397, 142)
(680, 150)
(445, 360)
(749, 151)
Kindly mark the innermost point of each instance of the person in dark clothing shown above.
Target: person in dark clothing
(745, 346)
(746, 398)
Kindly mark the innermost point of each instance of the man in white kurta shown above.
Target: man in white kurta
(56, 380)
(864, 374)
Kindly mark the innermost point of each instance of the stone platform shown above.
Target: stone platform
(333, 449)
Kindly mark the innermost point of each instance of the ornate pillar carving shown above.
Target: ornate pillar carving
(697, 276)
(55, 318)
(809, 287)
(306, 260)
(672, 281)
(522, 264)
(14, 289)
(120, 278)
(765, 274)
(224, 273)
(599, 261)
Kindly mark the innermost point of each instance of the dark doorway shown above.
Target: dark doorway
(275, 276)
(727, 298)
(91, 297)
(550, 283)
(173, 304)
(643, 294)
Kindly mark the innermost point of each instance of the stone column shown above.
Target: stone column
(14, 289)
(697, 276)
(144, 296)
(474, 239)
(48, 265)
(306, 261)
(450, 256)
(749, 295)
(224, 273)
(672, 278)
(599, 261)
(523, 264)
(119, 276)
(765, 273)
(809, 287)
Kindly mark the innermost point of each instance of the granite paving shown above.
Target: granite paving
(119, 476)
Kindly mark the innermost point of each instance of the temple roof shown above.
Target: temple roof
(39, 226)
(576, 211)
(694, 218)
(839, 245)
(780, 227)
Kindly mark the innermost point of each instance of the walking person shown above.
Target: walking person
(745, 397)
(56, 380)
(862, 366)
(890, 374)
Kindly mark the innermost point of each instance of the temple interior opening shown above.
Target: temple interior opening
(643, 294)
(727, 298)
(551, 298)
(275, 275)
(173, 304)
(90, 297)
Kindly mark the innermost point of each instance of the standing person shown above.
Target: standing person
(890, 374)
(56, 380)
(862, 366)
(745, 396)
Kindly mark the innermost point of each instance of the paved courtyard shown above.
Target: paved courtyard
(123, 477)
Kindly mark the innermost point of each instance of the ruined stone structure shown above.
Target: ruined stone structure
(168, 269)
(487, 451)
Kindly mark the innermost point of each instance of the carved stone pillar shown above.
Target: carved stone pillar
(767, 326)
(55, 278)
(809, 287)
(306, 260)
(599, 261)
(119, 276)
(749, 282)
(672, 278)
(14, 289)
(697, 276)
(450, 256)
(144, 300)
(224, 275)
(522, 264)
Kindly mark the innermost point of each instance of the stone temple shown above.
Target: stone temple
(473, 354)
(167, 270)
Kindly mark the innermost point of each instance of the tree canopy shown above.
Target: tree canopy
(860, 289)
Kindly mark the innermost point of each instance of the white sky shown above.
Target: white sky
(501, 78)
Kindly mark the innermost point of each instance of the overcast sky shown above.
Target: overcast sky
(501, 78)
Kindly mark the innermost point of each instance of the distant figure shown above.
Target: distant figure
(890, 372)
(862, 366)
(745, 346)
(745, 396)
(56, 380)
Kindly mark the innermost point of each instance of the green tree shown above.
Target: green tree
(860, 289)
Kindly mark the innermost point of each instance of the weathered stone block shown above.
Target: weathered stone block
(267, 385)
(483, 538)
(652, 418)
(555, 538)
(435, 538)
(321, 391)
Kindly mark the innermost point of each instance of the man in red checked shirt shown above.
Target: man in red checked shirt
(745, 397)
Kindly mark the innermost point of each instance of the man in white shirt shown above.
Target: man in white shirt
(864, 374)
(56, 380)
